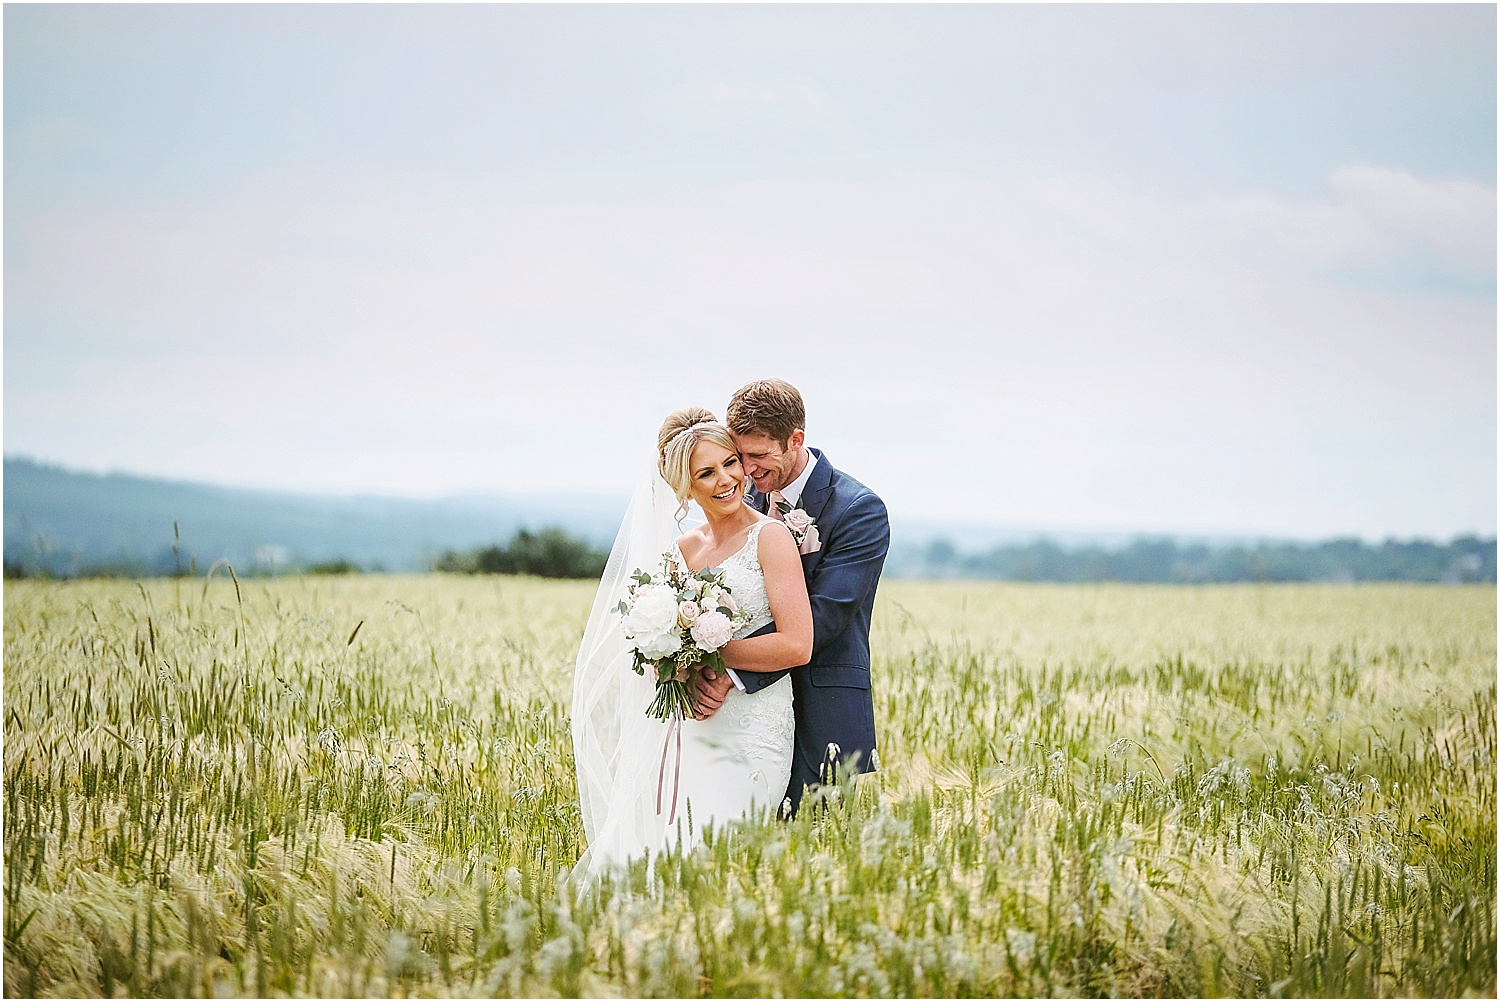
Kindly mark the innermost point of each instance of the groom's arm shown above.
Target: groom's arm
(849, 569)
(712, 688)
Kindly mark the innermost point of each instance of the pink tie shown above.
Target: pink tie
(775, 498)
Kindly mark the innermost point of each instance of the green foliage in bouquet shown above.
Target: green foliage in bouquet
(676, 621)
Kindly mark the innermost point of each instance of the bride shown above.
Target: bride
(740, 758)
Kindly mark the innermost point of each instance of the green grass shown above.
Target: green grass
(365, 786)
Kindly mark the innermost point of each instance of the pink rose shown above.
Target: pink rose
(798, 520)
(724, 600)
(687, 614)
(712, 630)
(803, 530)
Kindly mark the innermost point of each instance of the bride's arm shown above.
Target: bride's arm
(791, 645)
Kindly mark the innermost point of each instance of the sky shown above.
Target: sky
(1185, 269)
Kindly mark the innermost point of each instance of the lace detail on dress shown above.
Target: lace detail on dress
(747, 584)
(766, 726)
(742, 755)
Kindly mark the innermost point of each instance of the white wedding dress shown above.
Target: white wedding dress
(739, 759)
(733, 764)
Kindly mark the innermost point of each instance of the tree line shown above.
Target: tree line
(1466, 559)
(555, 553)
(550, 553)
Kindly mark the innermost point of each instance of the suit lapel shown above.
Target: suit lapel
(815, 497)
(819, 486)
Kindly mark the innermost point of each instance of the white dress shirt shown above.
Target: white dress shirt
(791, 494)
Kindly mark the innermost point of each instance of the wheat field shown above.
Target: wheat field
(364, 786)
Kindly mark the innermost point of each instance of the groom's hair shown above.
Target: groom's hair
(771, 407)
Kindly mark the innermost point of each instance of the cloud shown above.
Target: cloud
(1451, 220)
(1039, 348)
(1374, 224)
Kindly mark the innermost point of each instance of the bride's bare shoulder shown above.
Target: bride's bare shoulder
(691, 542)
(776, 535)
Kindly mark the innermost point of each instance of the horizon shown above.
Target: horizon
(1210, 270)
(926, 530)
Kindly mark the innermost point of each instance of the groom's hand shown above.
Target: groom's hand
(709, 692)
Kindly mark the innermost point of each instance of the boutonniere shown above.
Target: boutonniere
(804, 529)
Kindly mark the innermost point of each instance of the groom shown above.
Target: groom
(843, 550)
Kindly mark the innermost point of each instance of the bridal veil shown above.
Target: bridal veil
(616, 747)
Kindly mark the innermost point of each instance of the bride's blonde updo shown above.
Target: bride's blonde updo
(680, 434)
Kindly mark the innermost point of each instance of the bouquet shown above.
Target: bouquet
(676, 621)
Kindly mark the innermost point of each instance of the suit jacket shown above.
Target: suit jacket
(832, 692)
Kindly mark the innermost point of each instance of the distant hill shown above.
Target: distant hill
(65, 523)
(68, 522)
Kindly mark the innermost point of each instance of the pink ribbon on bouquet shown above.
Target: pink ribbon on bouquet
(674, 730)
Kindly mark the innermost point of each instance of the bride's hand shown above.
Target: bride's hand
(709, 692)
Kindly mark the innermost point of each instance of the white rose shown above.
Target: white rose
(654, 611)
(687, 614)
(798, 520)
(654, 647)
(712, 630)
(724, 600)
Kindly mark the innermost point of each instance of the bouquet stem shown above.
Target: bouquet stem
(672, 698)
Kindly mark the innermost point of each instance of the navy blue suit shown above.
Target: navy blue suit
(831, 694)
